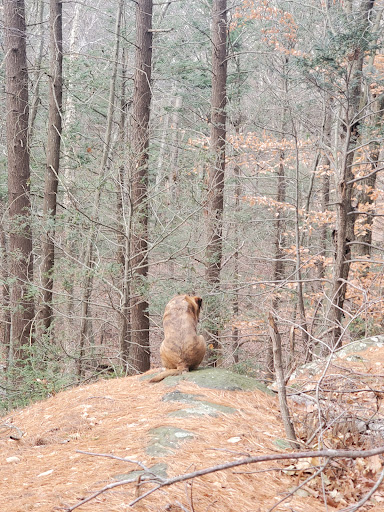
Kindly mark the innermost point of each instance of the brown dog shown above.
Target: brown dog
(182, 349)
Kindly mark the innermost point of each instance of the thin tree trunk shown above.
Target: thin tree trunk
(325, 165)
(300, 293)
(53, 162)
(235, 303)
(278, 256)
(38, 73)
(6, 313)
(139, 350)
(20, 235)
(69, 119)
(89, 262)
(124, 221)
(215, 199)
(174, 154)
(364, 197)
(280, 381)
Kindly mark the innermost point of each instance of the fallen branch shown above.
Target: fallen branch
(11, 431)
(162, 482)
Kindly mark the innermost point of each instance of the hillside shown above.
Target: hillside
(115, 417)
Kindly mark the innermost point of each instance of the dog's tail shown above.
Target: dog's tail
(167, 373)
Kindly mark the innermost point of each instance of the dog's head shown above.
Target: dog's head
(195, 304)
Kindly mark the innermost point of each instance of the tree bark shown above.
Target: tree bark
(53, 162)
(364, 197)
(124, 223)
(280, 381)
(139, 350)
(345, 217)
(20, 234)
(278, 256)
(216, 172)
(38, 72)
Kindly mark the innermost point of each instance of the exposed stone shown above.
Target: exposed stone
(166, 439)
(218, 378)
(178, 396)
(157, 470)
(201, 408)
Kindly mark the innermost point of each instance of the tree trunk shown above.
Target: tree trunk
(278, 256)
(364, 197)
(5, 331)
(20, 235)
(280, 381)
(325, 165)
(38, 72)
(300, 292)
(345, 218)
(215, 199)
(53, 161)
(69, 119)
(139, 350)
(89, 262)
(124, 223)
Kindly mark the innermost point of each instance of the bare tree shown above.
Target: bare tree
(20, 236)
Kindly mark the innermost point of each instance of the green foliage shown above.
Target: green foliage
(246, 367)
(363, 328)
(42, 373)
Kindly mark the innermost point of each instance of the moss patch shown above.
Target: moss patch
(166, 439)
(217, 378)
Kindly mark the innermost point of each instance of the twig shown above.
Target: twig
(329, 454)
(12, 431)
(110, 456)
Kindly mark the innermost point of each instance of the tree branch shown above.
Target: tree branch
(329, 454)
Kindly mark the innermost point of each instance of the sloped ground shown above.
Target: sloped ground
(340, 402)
(44, 472)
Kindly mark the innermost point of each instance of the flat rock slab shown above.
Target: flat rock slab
(178, 396)
(360, 345)
(199, 407)
(218, 378)
(165, 440)
(156, 470)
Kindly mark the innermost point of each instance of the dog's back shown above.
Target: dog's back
(182, 349)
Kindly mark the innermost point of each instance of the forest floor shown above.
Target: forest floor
(44, 470)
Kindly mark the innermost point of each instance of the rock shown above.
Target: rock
(166, 439)
(12, 459)
(218, 378)
(157, 469)
(199, 407)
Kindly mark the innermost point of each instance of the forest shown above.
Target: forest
(230, 150)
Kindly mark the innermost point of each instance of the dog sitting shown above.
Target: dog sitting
(182, 349)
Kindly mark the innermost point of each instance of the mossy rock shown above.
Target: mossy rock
(158, 470)
(178, 396)
(359, 345)
(218, 378)
(202, 408)
(166, 439)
